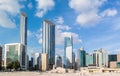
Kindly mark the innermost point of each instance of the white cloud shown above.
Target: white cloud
(60, 35)
(30, 5)
(63, 27)
(59, 20)
(29, 33)
(85, 10)
(8, 8)
(109, 12)
(5, 21)
(44, 6)
(87, 18)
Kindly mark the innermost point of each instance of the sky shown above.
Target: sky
(94, 24)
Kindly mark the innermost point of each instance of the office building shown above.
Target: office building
(44, 58)
(13, 52)
(0, 57)
(68, 52)
(81, 57)
(97, 58)
(114, 61)
(73, 60)
(89, 59)
(48, 42)
(58, 61)
(23, 29)
(23, 38)
(118, 57)
(112, 58)
(104, 57)
(36, 60)
(100, 58)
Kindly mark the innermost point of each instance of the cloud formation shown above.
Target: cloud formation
(109, 12)
(43, 6)
(87, 10)
(8, 10)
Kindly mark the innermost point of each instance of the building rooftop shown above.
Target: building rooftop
(23, 14)
(47, 21)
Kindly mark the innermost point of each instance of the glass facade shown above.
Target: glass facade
(48, 42)
(118, 64)
(23, 39)
(111, 58)
(89, 59)
(68, 52)
(23, 29)
(81, 58)
(12, 54)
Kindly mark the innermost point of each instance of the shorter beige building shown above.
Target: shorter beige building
(44, 62)
(113, 64)
(118, 57)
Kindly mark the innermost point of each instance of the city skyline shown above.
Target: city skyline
(99, 31)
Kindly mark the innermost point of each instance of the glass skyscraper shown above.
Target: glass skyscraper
(23, 39)
(48, 42)
(81, 57)
(23, 29)
(89, 59)
(68, 52)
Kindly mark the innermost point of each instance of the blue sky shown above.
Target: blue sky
(94, 24)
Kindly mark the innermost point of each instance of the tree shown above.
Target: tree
(16, 65)
(10, 65)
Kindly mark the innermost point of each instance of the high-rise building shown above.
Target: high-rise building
(104, 57)
(23, 29)
(68, 52)
(48, 42)
(36, 60)
(0, 57)
(58, 61)
(100, 58)
(89, 59)
(23, 38)
(97, 58)
(13, 52)
(81, 57)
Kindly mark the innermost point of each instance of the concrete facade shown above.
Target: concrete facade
(44, 62)
(113, 64)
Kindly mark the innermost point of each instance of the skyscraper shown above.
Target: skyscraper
(48, 42)
(97, 58)
(23, 29)
(0, 57)
(36, 60)
(23, 38)
(81, 57)
(100, 58)
(89, 59)
(68, 52)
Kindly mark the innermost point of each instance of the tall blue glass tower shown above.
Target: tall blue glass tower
(68, 52)
(48, 42)
(81, 57)
(23, 39)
